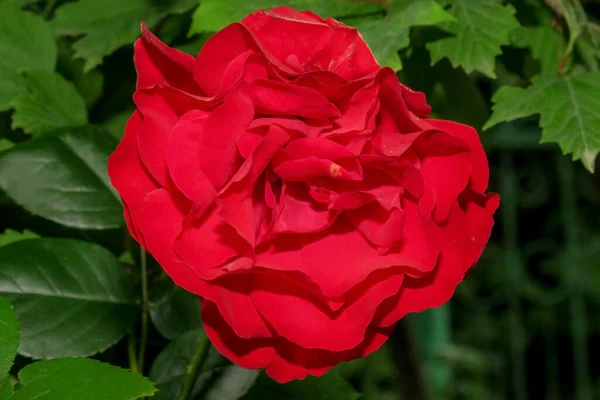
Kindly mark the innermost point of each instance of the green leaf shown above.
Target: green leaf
(9, 236)
(90, 84)
(6, 387)
(546, 44)
(170, 366)
(127, 258)
(232, 384)
(595, 39)
(6, 144)
(568, 107)
(195, 44)
(110, 24)
(72, 297)
(385, 36)
(173, 310)
(20, 3)
(78, 379)
(12, 85)
(49, 103)
(481, 27)
(213, 15)
(25, 43)
(9, 336)
(380, 375)
(62, 177)
(329, 386)
(116, 123)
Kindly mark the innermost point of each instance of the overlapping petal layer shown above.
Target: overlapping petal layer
(295, 185)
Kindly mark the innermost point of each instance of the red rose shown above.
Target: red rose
(292, 182)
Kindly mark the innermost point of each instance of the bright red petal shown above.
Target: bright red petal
(312, 44)
(303, 319)
(158, 64)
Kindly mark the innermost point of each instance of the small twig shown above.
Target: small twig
(195, 367)
(563, 63)
(133, 365)
(553, 4)
(559, 8)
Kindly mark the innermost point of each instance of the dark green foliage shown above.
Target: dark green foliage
(70, 287)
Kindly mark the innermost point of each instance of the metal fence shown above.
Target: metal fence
(522, 325)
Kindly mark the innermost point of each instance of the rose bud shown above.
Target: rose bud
(298, 188)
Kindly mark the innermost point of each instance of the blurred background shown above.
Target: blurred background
(524, 324)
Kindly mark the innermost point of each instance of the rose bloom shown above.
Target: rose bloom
(296, 186)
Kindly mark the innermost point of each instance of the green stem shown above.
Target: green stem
(576, 18)
(144, 332)
(133, 364)
(195, 367)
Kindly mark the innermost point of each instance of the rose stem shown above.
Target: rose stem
(131, 350)
(195, 367)
(133, 365)
(144, 333)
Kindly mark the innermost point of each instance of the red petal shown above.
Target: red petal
(251, 353)
(247, 143)
(207, 241)
(314, 147)
(159, 64)
(401, 171)
(307, 43)
(480, 172)
(293, 362)
(158, 120)
(217, 138)
(305, 169)
(283, 360)
(340, 258)
(217, 55)
(308, 158)
(299, 214)
(446, 168)
(160, 218)
(285, 98)
(393, 144)
(416, 101)
(310, 128)
(394, 113)
(128, 175)
(464, 238)
(131, 227)
(125, 169)
(357, 112)
(380, 227)
(235, 199)
(301, 318)
(184, 154)
(480, 215)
